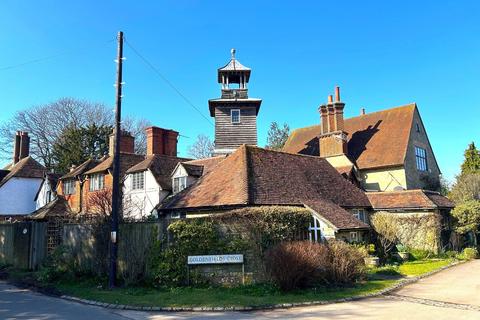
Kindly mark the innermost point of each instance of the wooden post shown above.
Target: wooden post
(116, 169)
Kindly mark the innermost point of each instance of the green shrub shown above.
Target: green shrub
(168, 260)
(418, 254)
(58, 265)
(401, 248)
(468, 254)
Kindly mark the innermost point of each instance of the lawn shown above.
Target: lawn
(411, 268)
(224, 297)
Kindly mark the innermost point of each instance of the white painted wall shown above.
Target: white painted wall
(42, 198)
(17, 196)
(138, 204)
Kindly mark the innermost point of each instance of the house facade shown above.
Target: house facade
(48, 190)
(385, 150)
(149, 182)
(21, 181)
(252, 177)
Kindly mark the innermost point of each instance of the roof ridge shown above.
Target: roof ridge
(384, 110)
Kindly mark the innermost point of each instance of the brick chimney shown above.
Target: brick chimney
(24, 145)
(16, 147)
(161, 141)
(127, 143)
(333, 138)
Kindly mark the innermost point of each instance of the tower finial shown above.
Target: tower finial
(233, 53)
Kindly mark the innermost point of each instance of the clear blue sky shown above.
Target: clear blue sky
(382, 54)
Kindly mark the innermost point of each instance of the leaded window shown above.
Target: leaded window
(179, 183)
(360, 214)
(138, 180)
(97, 181)
(69, 187)
(421, 159)
(235, 114)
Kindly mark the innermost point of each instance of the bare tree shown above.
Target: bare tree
(100, 202)
(46, 123)
(202, 148)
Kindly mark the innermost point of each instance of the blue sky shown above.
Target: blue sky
(382, 54)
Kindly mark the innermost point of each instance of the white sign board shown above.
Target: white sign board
(216, 259)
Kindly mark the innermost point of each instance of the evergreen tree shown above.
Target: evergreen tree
(77, 144)
(277, 136)
(471, 164)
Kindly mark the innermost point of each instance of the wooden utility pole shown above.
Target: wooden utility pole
(116, 169)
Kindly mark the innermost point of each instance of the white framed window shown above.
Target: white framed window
(179, 183)
(421, 159)
(360, 214)
(138, 180)
(69, 187)
(315, 231)
(97, 181)
(175, 215)
(354, 236)
(235, 115)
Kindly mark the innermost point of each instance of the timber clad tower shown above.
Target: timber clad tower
(234, 112)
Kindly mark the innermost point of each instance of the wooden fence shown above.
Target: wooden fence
(23, 244)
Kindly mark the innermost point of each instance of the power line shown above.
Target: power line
(170, 84)
(59, 54)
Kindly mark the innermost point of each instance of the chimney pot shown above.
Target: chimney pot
(337, 93)
(330, 99)
(362, 111)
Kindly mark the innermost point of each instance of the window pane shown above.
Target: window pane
(235, 116)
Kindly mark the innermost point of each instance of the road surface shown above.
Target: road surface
(447, 295)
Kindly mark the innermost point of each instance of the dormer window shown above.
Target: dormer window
(235, 115)
(138, 180)
(179, 183)
(97, 181)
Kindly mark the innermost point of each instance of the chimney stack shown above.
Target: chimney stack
(127, 143)
(333, 138)
(338, 110)
(161, 141)
(24, 145)
(16, 147)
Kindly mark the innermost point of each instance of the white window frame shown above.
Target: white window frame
(421, 159)
(354, 236)
(178, 185)
(360, 214)
(231, 115)
(314, 230)
(97, 182)
(138, 180)
(69, 187)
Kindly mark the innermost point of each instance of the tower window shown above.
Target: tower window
(235, 115)
(421, 159)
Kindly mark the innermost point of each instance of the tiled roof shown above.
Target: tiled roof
(81, 169)
(25, 168)
(408, 199)
(127, 160)
(56, 208)
(207, 164)
(193, 169)
(161, 167)
(377, 139)
(335, 215)
(256, 176)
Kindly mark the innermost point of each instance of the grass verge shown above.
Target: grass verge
(255, 295)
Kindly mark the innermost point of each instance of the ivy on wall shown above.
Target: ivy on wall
(237, 231)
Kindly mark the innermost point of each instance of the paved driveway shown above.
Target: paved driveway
(446, 295)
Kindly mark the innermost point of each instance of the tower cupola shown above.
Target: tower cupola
(234, 112)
